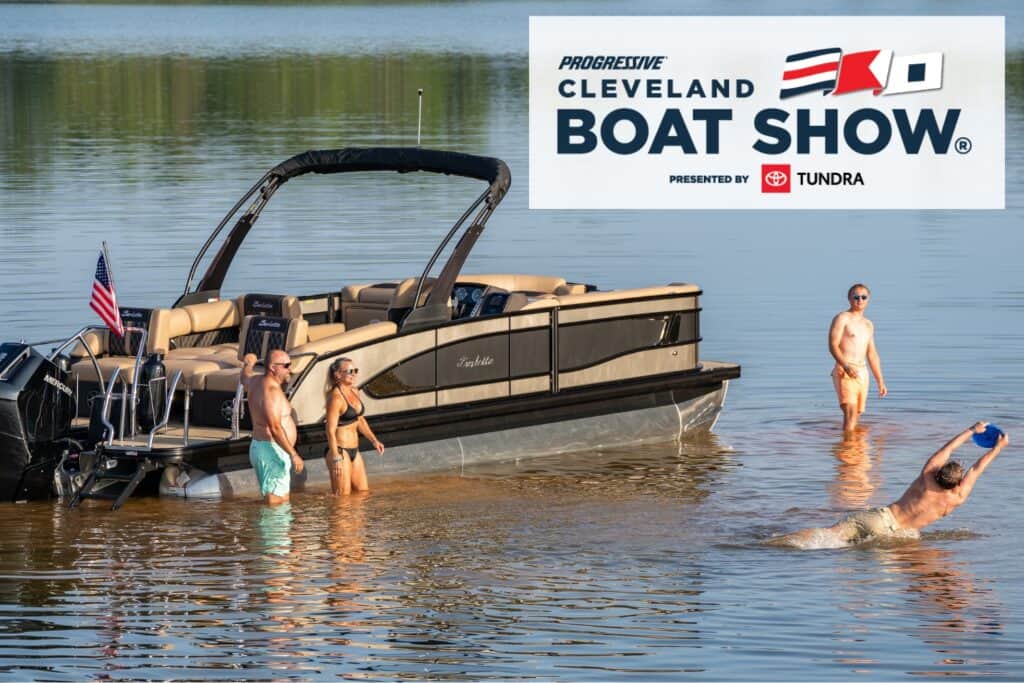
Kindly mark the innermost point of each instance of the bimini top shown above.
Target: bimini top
(401, 159)
(349, 160)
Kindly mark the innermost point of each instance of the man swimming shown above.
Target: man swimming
(851, 341)
(272, 451)
(940, 488)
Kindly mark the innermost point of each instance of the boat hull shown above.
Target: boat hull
(656, 417)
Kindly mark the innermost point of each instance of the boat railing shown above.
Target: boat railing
(79, 337)
(167, 414)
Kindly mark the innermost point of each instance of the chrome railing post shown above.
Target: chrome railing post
(167, 410)
(105, 413)
(135, 375)
(236, 410)
(188, 409)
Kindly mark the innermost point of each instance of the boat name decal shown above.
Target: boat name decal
(476, 362)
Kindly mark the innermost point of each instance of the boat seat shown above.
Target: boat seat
(365, 304)
(196, 362)
(159, 323)
(213, 327)
(260, 335)
(515, 282)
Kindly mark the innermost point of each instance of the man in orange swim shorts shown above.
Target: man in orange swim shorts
(851, 341)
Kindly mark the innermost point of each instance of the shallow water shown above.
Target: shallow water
(646, 563)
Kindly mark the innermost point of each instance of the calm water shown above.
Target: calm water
(143, 125)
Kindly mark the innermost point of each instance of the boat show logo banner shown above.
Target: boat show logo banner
(767, 113)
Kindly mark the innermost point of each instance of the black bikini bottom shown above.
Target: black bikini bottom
(350, 452)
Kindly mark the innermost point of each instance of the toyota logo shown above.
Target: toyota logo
(775, 178)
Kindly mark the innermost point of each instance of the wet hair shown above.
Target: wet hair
(950, 475)
(855, 287)
(335, 366)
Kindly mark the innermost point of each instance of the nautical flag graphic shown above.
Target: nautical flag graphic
(829, 71)
(104, 300)
(810, 71)
(867, 70)
(915, 73)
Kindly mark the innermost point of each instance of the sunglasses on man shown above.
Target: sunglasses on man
(859, 297)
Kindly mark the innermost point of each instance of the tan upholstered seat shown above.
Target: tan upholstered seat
(260, 335)
(365, 304)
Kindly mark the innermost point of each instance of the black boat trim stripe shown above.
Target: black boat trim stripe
(448, 419)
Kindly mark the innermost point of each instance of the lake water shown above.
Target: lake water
(141, 125)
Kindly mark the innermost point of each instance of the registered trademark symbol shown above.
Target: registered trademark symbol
(963, 145)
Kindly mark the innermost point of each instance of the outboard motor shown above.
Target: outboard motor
(36, 409)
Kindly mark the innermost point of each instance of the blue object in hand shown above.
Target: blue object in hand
(987, 439)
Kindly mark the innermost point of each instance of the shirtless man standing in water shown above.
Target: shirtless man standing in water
(940, 488)
(273, 429)
(851, 341)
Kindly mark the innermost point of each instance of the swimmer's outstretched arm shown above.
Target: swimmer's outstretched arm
(977, 468)
(940, 456)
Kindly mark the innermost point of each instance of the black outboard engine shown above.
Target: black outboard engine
(36, 409)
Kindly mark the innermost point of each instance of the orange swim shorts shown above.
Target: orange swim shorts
(851, 390)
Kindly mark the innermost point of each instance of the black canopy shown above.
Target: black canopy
(351, 159)
(401, 159)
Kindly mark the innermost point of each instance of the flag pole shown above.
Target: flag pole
(110, 266)
(110, 276)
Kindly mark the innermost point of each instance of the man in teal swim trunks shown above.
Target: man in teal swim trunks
(272, 451)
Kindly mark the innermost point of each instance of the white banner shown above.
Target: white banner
(767, 113)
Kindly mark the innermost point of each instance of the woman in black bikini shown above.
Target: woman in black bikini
(345, 422)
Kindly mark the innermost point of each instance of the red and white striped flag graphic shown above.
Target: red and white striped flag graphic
(104, 300)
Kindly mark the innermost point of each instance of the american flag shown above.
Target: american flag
(104, 301)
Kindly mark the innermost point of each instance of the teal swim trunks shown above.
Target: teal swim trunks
(273, 467)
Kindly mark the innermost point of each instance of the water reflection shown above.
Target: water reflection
(857, 454)
(956, 610)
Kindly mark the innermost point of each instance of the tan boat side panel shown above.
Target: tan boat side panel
(397, 404)
(347, 338)
(468, 330)
(649, 362)
(318, 332)
(308, 400)
(572, 299)
(530, 385)
(549, 301)
(601, 312)
(480, 392)
(525, 322)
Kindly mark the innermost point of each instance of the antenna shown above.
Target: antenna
(419, 119)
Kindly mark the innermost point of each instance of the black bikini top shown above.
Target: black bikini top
(350, 415)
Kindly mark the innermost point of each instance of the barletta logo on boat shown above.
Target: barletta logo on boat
(624, 110)
(830, 72)
(474, 362)
(775, 178)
